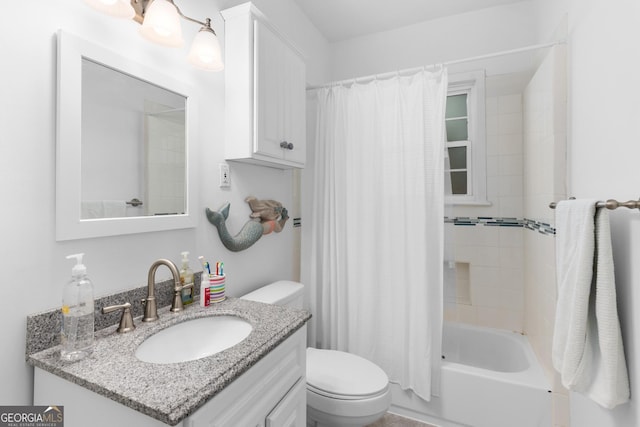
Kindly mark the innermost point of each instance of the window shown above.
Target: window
(465, 126)
(457, 125)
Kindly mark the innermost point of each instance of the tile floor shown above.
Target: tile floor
(392, 420)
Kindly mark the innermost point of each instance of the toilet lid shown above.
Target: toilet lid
(344, 375)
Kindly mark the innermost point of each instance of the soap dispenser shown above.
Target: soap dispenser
(186, 278)
(77, 334)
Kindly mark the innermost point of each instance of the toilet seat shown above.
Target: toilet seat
(339, 375)
(328, 395)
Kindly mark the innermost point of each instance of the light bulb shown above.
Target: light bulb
(205, 52)
(162, 24)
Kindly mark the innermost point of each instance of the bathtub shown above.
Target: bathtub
(489, 378)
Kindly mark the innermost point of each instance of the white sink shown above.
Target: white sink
(193, 339)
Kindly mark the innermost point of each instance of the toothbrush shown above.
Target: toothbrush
(205, 264)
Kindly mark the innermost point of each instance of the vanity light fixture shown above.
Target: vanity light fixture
(160, 21)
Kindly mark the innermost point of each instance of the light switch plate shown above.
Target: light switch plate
(225, 175)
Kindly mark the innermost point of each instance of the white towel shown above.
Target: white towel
(587, 343)
(91, 209)
(114, 208)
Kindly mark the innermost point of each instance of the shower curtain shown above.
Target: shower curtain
(377, 233)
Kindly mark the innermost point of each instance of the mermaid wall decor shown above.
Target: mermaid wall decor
(266, 216)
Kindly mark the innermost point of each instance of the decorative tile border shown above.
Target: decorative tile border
(491, 221)
(540, 227)
(486, 220)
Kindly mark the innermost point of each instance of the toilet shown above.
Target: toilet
(343, 390)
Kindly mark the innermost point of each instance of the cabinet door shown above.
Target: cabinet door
(295, 106)
(279, 92)
(292, 409)
(250, 398)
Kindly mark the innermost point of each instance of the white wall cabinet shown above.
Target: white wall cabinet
(264, 92)
(272, 393)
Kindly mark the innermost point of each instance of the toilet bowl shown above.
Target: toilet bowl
(343, 389)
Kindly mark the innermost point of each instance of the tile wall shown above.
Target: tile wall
(487, 241)
(165, 147)
(545, 112)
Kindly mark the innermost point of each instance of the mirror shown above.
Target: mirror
(125, 145)
(132, 146)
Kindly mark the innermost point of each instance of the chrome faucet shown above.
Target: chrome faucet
(150, 305)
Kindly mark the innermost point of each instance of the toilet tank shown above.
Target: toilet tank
(282, 292)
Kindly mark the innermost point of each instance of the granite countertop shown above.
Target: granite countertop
(172, 392)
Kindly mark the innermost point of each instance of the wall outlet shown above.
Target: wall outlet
(225, 175)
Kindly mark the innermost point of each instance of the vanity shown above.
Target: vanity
(258, 382)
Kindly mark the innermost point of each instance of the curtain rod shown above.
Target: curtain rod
(413, 70)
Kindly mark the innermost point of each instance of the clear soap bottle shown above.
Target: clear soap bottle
(186, 278)
(77, 335)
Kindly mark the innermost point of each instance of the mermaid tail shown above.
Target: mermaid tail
(248, 235)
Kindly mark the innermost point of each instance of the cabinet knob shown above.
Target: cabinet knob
(286, 145)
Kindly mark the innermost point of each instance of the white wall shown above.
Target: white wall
(602, 154)
(460, 36)
(603, 158)
(34, 262)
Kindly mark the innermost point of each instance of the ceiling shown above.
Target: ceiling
(340, 20)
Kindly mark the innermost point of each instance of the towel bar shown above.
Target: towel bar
(609, 204)
(134, 202)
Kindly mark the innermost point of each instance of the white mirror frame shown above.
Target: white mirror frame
(69, 226)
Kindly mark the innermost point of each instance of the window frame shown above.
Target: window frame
(471, 83)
